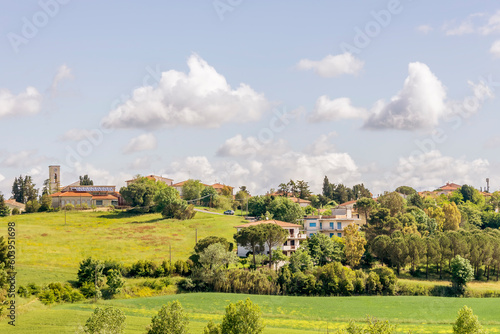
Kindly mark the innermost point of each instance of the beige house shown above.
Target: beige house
(291, 244)
(12, 204)
(301, 202)
(332, 225)
(60, 199)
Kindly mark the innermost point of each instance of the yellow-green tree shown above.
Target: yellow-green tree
(438, 214)
(451, 217)
(354, 247)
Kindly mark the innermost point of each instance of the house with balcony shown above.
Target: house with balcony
(331, 225)
(292, 243)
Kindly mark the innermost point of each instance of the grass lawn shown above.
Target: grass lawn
(49, 250)
(281, 314)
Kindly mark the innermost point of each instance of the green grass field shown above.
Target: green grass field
(49, 250)
(281, 314)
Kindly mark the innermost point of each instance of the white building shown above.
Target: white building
(291, 244)
(332, 225)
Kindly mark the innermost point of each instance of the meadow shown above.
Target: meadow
(292, 315)
(50, 246)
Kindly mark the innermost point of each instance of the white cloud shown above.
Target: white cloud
(332, 66)
(420, 104)
(249, 147)
(479, 23)
(145, 142)
(144, 162)
(430, 170)
(424, 29)
(495, 49)
(63, 73)
(200, 98)
(98, 175)
(25, 103)
(322, 144)
(333, 110)
(22, 159)
(80, 134)
(2, 177)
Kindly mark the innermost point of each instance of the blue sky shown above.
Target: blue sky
(251, 92)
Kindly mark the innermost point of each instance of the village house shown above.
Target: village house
(292, 243)
(13, 204)
(331, 225)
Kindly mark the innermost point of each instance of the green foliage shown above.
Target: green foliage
(273, 236)
(452, 217)
(392, 201)
(114, 281)
(210, 195)
(406, 190)
(171, 319)
(32, 206)
(4, 209)
(140, 193)
(23, 190)
(250, 237)
(205, 242)
(165, 196)
(86, 181)
(105, 321)
(354, 246)
(244, 317)
(213, 261)
(323, 249)
(461, 273)
(284, 209)
(374, 326)
(365, 205)
(300, 260)
(191, 189)
(45, 203)
(179, 209)
(15, 212)
(88, 270)
(467, 323)
(57, 292)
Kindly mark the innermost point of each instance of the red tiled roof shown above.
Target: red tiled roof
(71, 194)
(450, 186)
(277, 222)
(111, 197)
(219, 186)
(348, 203)
(14, 202)
(180, 184)
(299, 200)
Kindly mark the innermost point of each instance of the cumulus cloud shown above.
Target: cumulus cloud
(25, 103)
(100, 176)
(145, 142)
(80, 134)
(424, 29)
(495, 49)
(63, 73)
(420, 104)
(2, 177)
(478, 23)
(22, 159)
(144, 162)
(429, 170)
(250, 146)
(332, 66)
(336, 109)
(200, 98)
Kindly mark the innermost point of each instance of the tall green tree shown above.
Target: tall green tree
(209, 195)
(23, 189)
(392, 201)
(191, 189)
(171, 319)
(467, 323)
(452, 217)
(165, 196)
(86, 181)
(4, 209)
(107, 320)
(250, 237)
(323, 249)
(405, 190)
(274, 236)
(365, 205)
(140, 193)
(284, 209)
(354, 246)
(327, 189)
(244, 317)
(461, 274)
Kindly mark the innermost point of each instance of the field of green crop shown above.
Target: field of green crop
(281, 314)
(48, 249)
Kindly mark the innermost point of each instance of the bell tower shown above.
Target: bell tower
(54, 178)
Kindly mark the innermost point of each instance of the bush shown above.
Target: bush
(388, 280)
(15, 211)
(171, 319)
(108, 320)
(56, 293)
(69, 207)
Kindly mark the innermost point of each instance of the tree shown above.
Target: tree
(191, 189)
(323, 249)
(215, 258)
(392, 201)
(300, 260)
(250, 237)
(374, 326)
(284, 209)
(205, 242)
(86, 181)
(114, 281)
(451, 217)
(398, 253)
(244, 317)
(23, 189)
(208, 195)
(45, 203)
(467, 323)
(179, 209)
(273, 236)
(32, 206)
(165, 196)
(283, 189)
(4, 209)
(405, 190)
(380, 247)
(4, 250)
(360, 191)
(380, 223)
(461, 274)
(327, 189)
(437, 214)
(415, 200)
(226, 191)
(365, 205)
(354, 246)
(242, 197)
(140, 193)
(303, 189)
(171, 319)
(107, 320)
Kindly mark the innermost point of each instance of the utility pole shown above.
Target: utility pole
(196, 237)
(170, 248)
(65, 217)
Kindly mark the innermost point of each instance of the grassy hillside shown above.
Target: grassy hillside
(281, 314)
(49, 250)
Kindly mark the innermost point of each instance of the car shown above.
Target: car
(229, 212)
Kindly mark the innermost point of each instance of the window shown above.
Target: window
(312, 224)
(320, 225)
(311, 234)
(339, 226)
(98, 202)
(292, 242)
(331, 226)
(286, 243)
(339, 235)
(331, 235)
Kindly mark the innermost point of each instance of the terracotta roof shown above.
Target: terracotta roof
(71, 194)
(277, 222)
(348, 203)
(299, 200)
(111, 197)
(450, 186)
(180, 184)
(219, 186)
(14, 203)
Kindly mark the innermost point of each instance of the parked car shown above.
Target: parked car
(229, 212)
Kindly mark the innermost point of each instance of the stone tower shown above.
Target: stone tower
(54, 178)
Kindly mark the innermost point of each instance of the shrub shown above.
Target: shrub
(15, 211)
(56, 292)
(171, 319)
(108, 320)
(69, 207)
